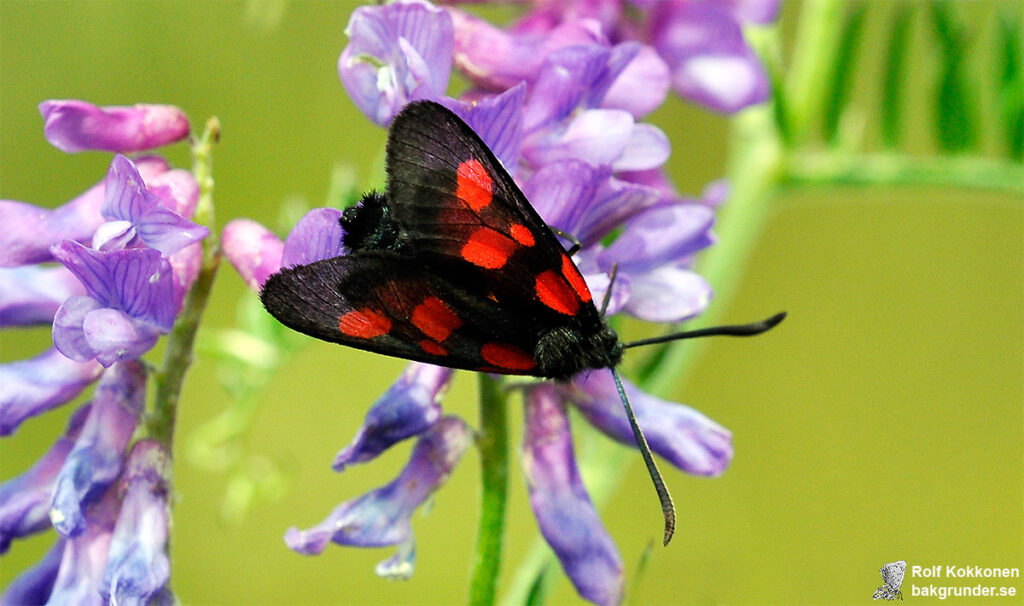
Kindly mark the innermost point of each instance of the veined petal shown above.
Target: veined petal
(615, 202)
(96, 459)
(35, 584)
(32, 387)
(316, 236)
(115, 336)
(686, 438)
(562, 192)
(641, 86)
(647, 148)
(166, 231)
(25, 499)
(409, 407)
(396, 53)
(68, 334)
(253, 250)
(137, 281)
(74, 126)
(667, 294)
(566, 516)
(565, 81)
(381, 517)
(31, 294)
(137, 565)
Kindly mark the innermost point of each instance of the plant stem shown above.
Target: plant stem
(178, 353)
(493, 446)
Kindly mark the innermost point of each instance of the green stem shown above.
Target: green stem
(170, 376)
(493, 446)
(838, 168)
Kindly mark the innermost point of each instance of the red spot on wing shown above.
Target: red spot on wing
(552, 291)
(474, 184)
(435, 319)
(573, 277)
(521, 234)
(506, 357)
(364, 324)
(488, 248)
(433, 348)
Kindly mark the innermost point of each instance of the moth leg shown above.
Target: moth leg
(576, 246)
(611, 284)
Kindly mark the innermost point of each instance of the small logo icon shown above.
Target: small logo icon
(892, 579)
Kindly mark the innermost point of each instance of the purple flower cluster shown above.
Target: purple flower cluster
(109, 271)
(559, 97)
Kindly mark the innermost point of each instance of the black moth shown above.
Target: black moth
(453, 266)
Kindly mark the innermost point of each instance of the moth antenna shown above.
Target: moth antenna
(734, 330)
(611, 282)
(667, 508)
(576, 246)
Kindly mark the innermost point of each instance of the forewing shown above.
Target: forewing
(461, 210)
(388, 303)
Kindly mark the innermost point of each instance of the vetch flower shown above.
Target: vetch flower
(35, 585)
(25, 499)
(408, 408)
(382, 517)
(97, 457)
(31, 294)
(32, 387)
(253, 250)
(396, 53)
(74, 126)
(137, 566)
(564, 512)
(130, 302)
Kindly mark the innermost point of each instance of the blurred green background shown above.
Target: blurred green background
(883, 420)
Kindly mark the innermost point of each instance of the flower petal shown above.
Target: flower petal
(499, 122)
(663, 234)
(32, 387)
(74, 126)
(137, 564)
(85, 557)
(396, 53)
(596, 136)
(564, 83)
(31, 294)
(381, 517)
(642, 85)
(566, 516)
(68, 334)
(667, 294)
(253, 250)
(409, 407)
(96, 459)
(647, 148)
(562, 192)
(25, 499)
(686, 438)
(316, 236)
(115, 336)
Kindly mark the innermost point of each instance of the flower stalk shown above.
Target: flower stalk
(492, 444)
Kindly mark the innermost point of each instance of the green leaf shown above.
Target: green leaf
(892, 91)
(539, 588)
(841, 79)
(1011, 85)
(956, 113)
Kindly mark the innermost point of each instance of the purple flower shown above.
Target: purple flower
(96, 459)
(130, 302)
(31, 294)
(137, 566)
(566, 517)
(253, 250)
(137, 217)
(396, 53)
(382, 517)
(411, 406)
(25, 499)
(35, 584)
(74, 126)
(84, 557)
(711, 62)
(32, 387)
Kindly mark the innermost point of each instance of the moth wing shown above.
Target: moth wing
(461, 208)
(388, 303)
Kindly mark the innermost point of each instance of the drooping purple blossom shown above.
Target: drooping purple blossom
(74, 126)
(32, 387)
(253, 250)
(382, 517)
(98, 454)
(31, 294)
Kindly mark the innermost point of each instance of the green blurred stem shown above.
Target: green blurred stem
(170, 376)
(493, 446)
(838, 168)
